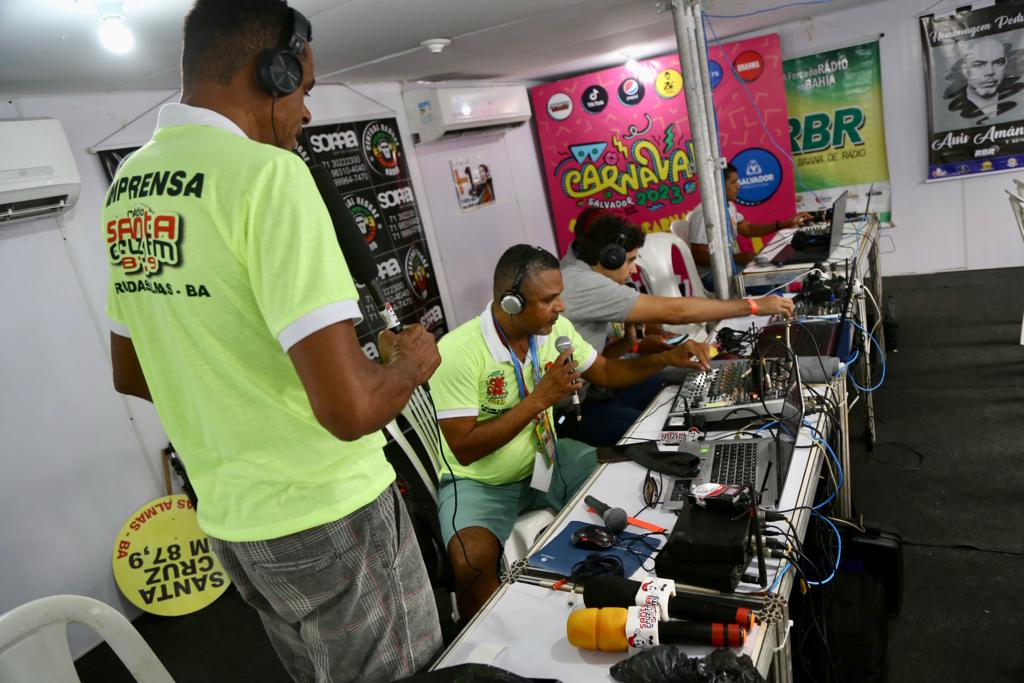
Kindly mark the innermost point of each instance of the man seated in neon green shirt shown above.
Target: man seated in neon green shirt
(500, 375)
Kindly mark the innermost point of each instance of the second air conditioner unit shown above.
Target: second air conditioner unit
(439, 112)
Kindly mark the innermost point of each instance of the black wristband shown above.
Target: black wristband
(777, 226)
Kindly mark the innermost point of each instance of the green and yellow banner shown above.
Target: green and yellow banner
(836, 129)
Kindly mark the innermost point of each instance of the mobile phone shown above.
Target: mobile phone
(677, 340)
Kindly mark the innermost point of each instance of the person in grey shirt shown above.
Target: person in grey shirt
(609, 314)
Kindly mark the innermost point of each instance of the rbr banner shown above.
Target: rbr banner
(836, 128)
(369, 167)
(620, 138)
(974, 62)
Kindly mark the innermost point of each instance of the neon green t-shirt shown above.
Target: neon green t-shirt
(477, 378)
(222, 255)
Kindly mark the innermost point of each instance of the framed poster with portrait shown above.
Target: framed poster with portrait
(974, 65)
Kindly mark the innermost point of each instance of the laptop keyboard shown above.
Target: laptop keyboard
(734, 463)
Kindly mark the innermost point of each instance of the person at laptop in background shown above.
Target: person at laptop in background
(698, 234)
(598, 301)
(500, 375)
(260, 380)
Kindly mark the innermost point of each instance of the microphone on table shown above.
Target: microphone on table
(615, 519)
(605, 629)
(613, 591)
(563, 344)
(353, 246)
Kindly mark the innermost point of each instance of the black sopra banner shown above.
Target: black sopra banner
(370, 169)
(974, 64)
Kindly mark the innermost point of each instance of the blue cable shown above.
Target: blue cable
(840, 479)
(779, 575)
(880, 353)
(839, 550)
(769, 9)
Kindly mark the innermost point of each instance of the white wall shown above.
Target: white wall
(77, 458)
(947, 225)
(471, 241)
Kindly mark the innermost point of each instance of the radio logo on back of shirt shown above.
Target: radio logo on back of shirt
(144, 241)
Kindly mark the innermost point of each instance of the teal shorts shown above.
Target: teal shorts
(496, 507)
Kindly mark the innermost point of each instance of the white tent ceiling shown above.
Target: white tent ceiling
(51, 46)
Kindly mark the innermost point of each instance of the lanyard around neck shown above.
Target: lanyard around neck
(520, 380)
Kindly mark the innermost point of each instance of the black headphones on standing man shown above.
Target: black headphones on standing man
(279, 71)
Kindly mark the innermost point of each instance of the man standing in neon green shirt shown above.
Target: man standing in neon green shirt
(233, 311)
(500, 375)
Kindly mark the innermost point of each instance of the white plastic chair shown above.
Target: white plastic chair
(1017, 206)
(420, 414)
(655, 263)
(34, 641)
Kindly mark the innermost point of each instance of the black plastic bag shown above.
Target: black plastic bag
(670, 664)
(469, 673)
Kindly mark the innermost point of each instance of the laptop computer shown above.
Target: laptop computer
(755, 462)
(817, 249)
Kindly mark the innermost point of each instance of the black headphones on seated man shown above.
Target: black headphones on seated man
(512, 300)
(279, 71)
(612, 255)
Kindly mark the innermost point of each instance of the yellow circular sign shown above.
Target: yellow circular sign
(162, 560)
(669, 83)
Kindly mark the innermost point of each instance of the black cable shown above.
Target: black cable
(455, 494)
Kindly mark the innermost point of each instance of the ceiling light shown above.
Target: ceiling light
(114, 35)
(436, 45)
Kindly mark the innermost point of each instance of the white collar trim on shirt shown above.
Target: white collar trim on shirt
(178, 114)
(495, 345)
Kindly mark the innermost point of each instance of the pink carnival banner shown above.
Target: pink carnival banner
(620, 138)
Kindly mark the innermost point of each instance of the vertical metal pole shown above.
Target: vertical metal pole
(705, 80)
(708, 173)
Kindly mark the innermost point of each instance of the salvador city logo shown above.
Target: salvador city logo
(142, 240)
(381, 149)
(760, 175)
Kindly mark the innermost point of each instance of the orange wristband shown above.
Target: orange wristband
(753, 306)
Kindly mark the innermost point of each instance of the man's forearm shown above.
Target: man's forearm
(488, 436)
(700, 309)
(618, 347)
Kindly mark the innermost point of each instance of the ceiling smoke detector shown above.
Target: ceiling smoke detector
(436, 45)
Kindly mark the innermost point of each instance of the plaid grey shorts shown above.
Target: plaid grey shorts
(348, 600)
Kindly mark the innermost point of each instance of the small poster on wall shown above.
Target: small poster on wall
(474, 185)
(974, 64)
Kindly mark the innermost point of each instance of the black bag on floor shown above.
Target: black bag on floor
(840, 631)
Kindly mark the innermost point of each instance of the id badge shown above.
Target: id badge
(541, 473)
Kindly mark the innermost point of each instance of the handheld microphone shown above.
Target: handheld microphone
(605, 629)
(613, 591)
(563, 344)
(353, 246)
(615, 519)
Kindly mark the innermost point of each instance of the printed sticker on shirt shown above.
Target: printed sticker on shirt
(497, 388)
(143, 241)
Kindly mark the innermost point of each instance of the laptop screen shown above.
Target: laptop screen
(791, 419)
(838, 223)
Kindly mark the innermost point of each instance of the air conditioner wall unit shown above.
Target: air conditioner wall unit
(439, 112)
(38, 176)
